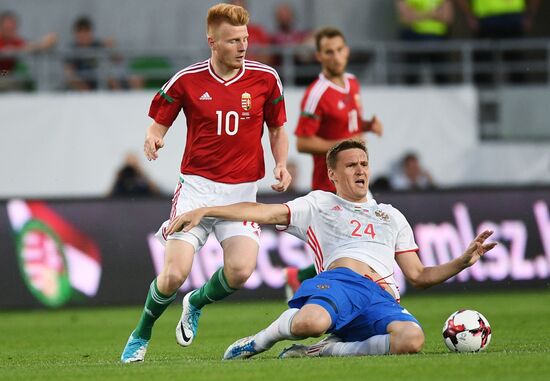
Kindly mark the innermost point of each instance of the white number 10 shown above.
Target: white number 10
(228, 117)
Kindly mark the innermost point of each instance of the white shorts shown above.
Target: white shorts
(194, 192)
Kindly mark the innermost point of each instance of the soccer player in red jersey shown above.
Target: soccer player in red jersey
(226, 101)
(331, 108)
(331, 112)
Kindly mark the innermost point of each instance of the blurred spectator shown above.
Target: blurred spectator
(82, 69)
(499, 19)
(380, 184)
(410, 175)
(286, 30)
(425, 20)
(131, 180)
(258, 38)
(287, 34)
(12, 42)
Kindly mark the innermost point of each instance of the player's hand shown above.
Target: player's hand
(376, 127)
(48, 41)
(151, 146)
(186, 221)
(281, 174)
(478, 248)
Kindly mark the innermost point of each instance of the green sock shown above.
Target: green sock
(155, 305)
(215, 289)
(307, 273)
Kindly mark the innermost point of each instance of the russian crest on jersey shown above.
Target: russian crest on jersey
(467, 331)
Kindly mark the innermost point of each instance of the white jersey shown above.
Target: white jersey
(335, 228)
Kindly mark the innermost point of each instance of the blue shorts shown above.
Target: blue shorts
(359, 307)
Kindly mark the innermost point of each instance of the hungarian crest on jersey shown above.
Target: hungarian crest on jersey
(246, 101)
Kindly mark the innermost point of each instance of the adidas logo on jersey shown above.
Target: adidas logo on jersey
(341, 105)
(205, 97)
(337, 208)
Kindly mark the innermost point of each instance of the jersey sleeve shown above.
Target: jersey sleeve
(301, 212)
(310, 116)
(405, 237)
(274, 107)
(167, 103)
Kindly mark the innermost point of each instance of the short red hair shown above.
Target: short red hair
(229, 13)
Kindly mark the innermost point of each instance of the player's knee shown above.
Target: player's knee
(170, 280)
(415, 340)
(237, 276)
(308, 327)
(410, 341)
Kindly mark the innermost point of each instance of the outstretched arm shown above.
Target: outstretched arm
(424, 277)
(272, 214)
(48, 41)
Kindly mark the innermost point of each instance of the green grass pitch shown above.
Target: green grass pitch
(85, 344)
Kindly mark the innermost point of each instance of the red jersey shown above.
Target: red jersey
(9, 63)
(225, 119)
(330, 112)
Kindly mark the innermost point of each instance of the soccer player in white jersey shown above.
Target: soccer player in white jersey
(356, 243)
(226, 101)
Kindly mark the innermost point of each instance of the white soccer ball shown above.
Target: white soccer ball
(467, 331)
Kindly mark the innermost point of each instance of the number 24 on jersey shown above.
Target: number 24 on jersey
(359, 232)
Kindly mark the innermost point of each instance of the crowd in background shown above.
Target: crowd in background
(423, 21)
(81, 68)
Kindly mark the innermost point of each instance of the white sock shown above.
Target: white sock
(375, 345)
(277, 331)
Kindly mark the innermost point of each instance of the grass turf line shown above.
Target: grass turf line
(85, 344)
